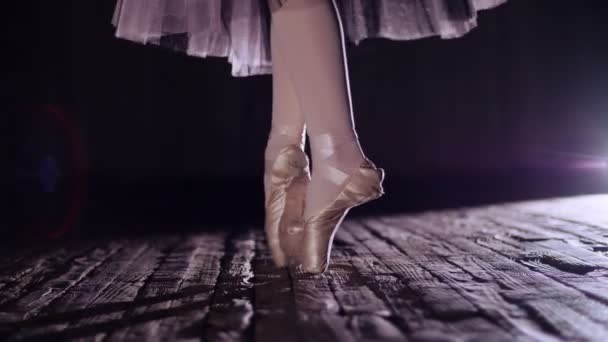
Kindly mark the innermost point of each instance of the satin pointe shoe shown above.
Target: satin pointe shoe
(363, 186)
(290, 232)
(284, 201)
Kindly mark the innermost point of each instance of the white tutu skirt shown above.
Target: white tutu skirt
(239, 29)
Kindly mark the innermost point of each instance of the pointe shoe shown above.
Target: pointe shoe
(364, 185)
(290, 233)
(284, 201)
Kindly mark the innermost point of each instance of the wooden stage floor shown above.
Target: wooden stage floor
(528, 271)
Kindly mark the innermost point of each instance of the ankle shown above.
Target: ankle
(297, 131)
(277, 142)
(283, 135)
(342, 151)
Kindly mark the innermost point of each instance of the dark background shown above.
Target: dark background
(112, 135)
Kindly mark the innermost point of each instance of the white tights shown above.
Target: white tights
(311, 91)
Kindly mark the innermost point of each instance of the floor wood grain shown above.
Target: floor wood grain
(529, 271)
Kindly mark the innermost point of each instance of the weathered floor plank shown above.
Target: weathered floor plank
(589, 210)
(28, 275)
(81, 296)
(527, 271)
(482, 297)
(168, 290)
(318, 310)
(275, 315)
(102, 312)
(231, 306)
(523, 286)
(57, 283)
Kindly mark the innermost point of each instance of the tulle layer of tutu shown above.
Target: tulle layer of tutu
(239, 29)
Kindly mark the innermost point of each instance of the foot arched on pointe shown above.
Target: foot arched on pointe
(284, 195)
(363, 186)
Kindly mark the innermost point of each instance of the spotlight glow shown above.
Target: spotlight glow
(569, 160)
(591, 164)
